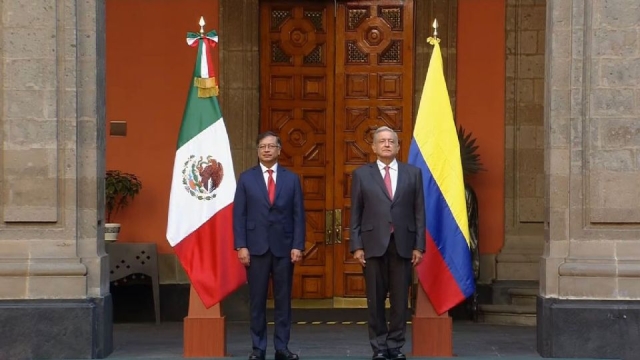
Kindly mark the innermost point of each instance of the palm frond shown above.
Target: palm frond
(468, 152)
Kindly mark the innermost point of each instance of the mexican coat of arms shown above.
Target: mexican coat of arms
(202, 176)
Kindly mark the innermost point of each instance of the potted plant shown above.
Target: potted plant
(471, 165)
(120, 189)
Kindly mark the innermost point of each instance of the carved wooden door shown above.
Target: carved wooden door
(373, 88)
(329, 77)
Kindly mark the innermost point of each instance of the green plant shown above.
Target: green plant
(120, 189)
(468, 152)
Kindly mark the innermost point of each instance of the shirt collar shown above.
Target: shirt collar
(392, 166)
(264, 168)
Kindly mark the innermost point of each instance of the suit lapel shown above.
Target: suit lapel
(377, 177)
(402, 179)
(259, 177)
(280, 181)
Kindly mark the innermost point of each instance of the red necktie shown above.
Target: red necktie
(387, 183)
(271, 187)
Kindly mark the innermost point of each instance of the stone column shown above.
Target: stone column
(446, 11)
(54, 288)
(524, 143)
(240, 101)
(590, 271)
(240, 78)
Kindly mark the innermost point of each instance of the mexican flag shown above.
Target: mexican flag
(203, 186)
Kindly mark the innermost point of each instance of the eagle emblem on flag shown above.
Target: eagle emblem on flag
(202, 176)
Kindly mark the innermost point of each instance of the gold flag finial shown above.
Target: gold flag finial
(434, 39)
(201, 23)
(435, 28)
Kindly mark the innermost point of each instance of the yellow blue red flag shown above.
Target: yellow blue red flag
(447, 273)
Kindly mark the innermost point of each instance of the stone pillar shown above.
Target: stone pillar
(524, 142)
(240, 78)
(240, 101)
(446, 11)
(590, 271)
(54, 288)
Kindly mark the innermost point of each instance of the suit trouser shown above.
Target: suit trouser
(389, 273)
(258, 272)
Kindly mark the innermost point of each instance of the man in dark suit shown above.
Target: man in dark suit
(269, 231)
(387, 238)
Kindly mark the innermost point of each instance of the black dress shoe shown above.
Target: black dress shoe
(256, 355)
(379, 355)
(396, 354)
(286, 355)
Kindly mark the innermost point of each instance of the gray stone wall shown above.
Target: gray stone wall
(446, 11)
(592, 157)
(524, 140)
(52, 155)
(524, 116)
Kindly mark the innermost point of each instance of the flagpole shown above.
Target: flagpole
(204, 329)
(432, 334)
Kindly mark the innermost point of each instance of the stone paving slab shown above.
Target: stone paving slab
(318, 342)
(472, 341)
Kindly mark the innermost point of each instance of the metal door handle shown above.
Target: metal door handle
(338, 223)
(328, 224)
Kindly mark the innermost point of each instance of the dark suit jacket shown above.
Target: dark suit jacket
(260, 226)
(373, 212)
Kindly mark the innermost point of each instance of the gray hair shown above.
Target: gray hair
(385, 128)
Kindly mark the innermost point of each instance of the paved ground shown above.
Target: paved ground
(471, 341)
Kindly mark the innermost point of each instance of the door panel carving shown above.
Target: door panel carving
(374, 69)
(296, 101)
(326, 84)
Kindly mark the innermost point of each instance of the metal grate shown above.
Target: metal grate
(315, 17)
(356, 17)
(393, 16)
(314, 57)
(278, 56)
(278, 17)
(393, 53)
(355, 55)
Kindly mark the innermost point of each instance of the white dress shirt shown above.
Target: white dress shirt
(265, 174)
(393, 173)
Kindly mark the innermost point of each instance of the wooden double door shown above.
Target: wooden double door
(330, 75)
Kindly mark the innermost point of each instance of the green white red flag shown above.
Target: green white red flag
(203, 186)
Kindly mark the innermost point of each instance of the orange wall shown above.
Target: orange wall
(480, 107)
(149, 68)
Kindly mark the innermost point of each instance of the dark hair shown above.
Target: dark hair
(268, 133)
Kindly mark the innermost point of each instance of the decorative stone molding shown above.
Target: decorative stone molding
(53, 150)
(592, 108)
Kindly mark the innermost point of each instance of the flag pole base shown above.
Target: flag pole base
(204, 330)
(431, 334)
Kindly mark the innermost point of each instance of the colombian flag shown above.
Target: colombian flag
(446, 274)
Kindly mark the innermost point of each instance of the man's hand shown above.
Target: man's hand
(296, 255)
(359, 255)
(243, 256)
(416, 258)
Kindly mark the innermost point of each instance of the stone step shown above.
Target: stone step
(508, 314)
(523, 296)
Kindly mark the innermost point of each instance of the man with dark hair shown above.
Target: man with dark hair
(269, 232)
(387, 238)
